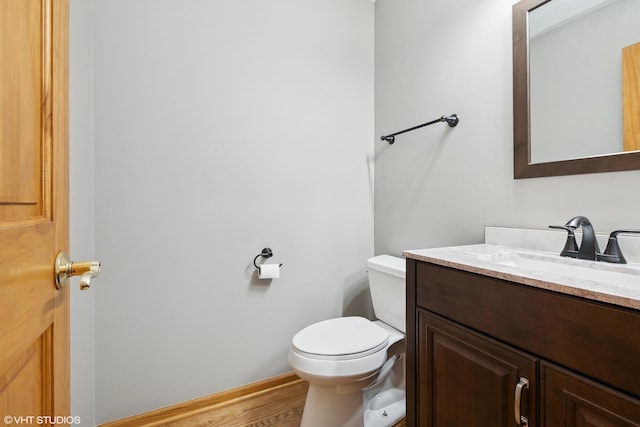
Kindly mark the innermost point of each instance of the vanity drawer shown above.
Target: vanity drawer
(598, 340)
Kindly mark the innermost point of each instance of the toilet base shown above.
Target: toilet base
(385, 404)
(385, 408)
(326, 408)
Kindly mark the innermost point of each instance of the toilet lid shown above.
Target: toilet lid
(343, 337)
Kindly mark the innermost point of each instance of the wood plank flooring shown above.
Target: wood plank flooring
(275, 402)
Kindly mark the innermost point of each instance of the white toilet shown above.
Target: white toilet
(356, 367)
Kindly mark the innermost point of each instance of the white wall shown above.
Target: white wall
(439, 186)
(222, 128)
(81, 207)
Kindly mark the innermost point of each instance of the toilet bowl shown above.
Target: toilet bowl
(354, 366)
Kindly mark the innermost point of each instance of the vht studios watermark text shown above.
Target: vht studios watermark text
(40, 420)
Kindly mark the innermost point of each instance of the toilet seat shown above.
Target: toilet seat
(340, 349)
(343, 338)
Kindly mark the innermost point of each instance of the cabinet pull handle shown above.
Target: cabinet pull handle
(521, 421)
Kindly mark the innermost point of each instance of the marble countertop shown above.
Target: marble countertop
(586, 279)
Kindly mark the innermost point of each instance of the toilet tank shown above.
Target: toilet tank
(387, 286)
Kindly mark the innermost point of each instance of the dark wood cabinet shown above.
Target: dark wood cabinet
(571, 400)
(469, 379)
(472, 339)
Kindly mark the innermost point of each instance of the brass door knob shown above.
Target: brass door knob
(65, 269)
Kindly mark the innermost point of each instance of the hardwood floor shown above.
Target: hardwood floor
(275, 402)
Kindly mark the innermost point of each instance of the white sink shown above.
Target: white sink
(614, 274)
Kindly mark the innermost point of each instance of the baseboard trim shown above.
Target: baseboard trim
(276, 401)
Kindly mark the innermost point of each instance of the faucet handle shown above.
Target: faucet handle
(612, 253)
(570, 246)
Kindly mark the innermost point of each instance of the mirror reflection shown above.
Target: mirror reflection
(584, 57)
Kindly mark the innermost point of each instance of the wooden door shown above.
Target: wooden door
(631, 97)
(466, 379)
(569, 400)
(34, 315)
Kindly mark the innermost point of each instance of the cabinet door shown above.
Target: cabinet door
(569, 400)
(467, 379)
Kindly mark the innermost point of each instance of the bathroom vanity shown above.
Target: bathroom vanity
(496, 339)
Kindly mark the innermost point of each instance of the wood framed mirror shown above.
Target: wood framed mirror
(624, 158)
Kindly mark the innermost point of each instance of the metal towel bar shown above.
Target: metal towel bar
(451, 120)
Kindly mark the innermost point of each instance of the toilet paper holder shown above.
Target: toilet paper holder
(266, 253)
